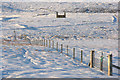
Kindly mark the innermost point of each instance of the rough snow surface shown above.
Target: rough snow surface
(40, 62)
(82, 31)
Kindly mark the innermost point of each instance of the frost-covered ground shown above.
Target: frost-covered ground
(82, 31)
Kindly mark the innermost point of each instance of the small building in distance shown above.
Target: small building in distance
(60, 16)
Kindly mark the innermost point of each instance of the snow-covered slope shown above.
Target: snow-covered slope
(40, 62)
(82, 31)
(72, 7)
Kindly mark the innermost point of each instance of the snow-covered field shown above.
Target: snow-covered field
(40, 62)
(82, 31)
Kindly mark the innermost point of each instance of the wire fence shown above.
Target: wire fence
(105, 66)
(97, 62)
(84, 56)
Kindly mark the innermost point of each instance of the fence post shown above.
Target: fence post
(53, 44)
(36, 42)
(67, 49)
(46, 43)
(42, 42)
(73, 53)
(81, 56)
(101, 62)
(14, 34)
(92, 59)
(57, 46)
(110, 65)
(61, 47)
(49, 44)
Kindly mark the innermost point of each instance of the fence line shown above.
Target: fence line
(93, 62)
(103, 65)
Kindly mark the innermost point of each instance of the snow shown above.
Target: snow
(82, 31)
(19, 26)
(60, 1)
(43, 63)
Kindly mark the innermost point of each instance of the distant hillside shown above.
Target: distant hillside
(51, 7)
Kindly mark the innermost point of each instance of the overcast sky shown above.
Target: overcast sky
(61, 0)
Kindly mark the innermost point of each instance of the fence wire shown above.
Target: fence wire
(86, 54)
(86, 57)
(97, 62)
(105, 66)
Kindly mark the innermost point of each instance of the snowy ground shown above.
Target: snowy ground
(40, 62)
(83, 31)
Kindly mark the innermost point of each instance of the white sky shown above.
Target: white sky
(60, 0)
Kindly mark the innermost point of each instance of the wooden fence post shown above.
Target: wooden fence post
(101, 62)
(14, 35)
(49, 44)
(81, 56)
(67, 49)
(42, 42)
(53, 44)
(92, 59)
(36, 41)
(46, 43)
(61, 47)
(110, 65)
(57, 46)
(73, 53)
